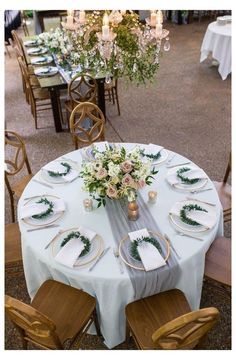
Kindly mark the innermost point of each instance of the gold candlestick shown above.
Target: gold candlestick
(133, 212)
(88, 204)
(152, 196)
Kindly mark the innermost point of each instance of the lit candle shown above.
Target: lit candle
(88, 204)
(152, 196)
(82, 16)
(70, 17)
(153, 18)
(133, 212)
(105, 27)
(159, 18)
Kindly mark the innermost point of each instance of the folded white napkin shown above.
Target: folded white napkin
(150, 256)
(37, 209)
(194, 173)
(153, 149)
(57, 167)
(204, 218)
(73, 248)
(101, 146)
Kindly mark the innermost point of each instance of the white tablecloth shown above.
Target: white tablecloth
(217, 40)
(112, 289)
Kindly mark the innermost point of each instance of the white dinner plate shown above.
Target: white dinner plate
(58, 180)
(47, 220)
(183, 186)
(180, 225)
(46, 71)
(33, 42)
(41, 60)
(164, 155)
(37, 51)
(97, 246)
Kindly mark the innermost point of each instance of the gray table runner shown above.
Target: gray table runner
(145, 283)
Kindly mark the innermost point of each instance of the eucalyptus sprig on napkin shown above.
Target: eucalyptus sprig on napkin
(135, 243)
(47, 212)
(84, 239)
(185, 179)
(150, 156)
(57, 174)
(186, 209)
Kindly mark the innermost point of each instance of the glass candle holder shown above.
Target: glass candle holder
(133, 210)
(152, 196)
(88, 204)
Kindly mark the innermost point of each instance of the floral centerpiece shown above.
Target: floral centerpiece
(115, 173)
(133, 52)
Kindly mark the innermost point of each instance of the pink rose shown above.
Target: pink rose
(111, 191)
(127, 180)
(126, 166)
(141, 183)
(101, 174)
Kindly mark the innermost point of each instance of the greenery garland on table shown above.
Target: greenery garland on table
(185, 179)
(47, 212)
(85, 240)
(57, 174)
(151, 156)
(134, 246)
(190, 207)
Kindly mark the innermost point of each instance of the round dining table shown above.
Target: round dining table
(112, 287)
(217, 40)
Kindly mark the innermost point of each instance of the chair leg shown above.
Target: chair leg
(127, 339)
(12, 208)
(117, 101)
(95, 319)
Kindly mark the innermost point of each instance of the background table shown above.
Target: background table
(217, 40)
(113, 290)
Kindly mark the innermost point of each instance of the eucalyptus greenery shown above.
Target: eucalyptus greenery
(151, 156)
(186, 209)
(47, 212)
(85, 240)
(133, 54)
(185, 179)
(57, 174)
(134, 246)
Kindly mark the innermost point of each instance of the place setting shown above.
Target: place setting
(46, 71)
(187, 178)
(154, 153)
(61, 171)
(89, 152)
(32, 42)
(144, 250)
(41, 60)
(192, 216)
(37, 51)
(42, 211)
(77, 247)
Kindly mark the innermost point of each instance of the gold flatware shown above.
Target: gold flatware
(201, 190)
(188, 235)
(43, 227)
(202, 201)
(180, 164)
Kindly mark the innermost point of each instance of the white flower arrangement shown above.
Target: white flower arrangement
(114, 173)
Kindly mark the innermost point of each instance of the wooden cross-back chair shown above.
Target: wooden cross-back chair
(15, 165)
(87, 124)
(57, 313)
(165, 321)
(39, 99)
(82, 88)
(224, 192)
(19, 44)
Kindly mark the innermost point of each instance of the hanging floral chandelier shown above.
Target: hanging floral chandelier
(114, 42)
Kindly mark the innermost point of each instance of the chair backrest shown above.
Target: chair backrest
(26, 76)
(33, 326)
(82, 88)
(18, 155)
(186, 331)
(19, 44)
(228, 170)
(87, 124)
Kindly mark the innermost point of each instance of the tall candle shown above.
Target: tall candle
(70, 17)
(105, 27)
(82, 16)
(153, 18)
(159, 18)
(158, 30)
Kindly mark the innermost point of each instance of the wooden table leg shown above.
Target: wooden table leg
(101, 96)
(56, 109)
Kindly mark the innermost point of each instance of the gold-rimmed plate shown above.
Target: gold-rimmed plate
(180, 225)
(97, 247)
(60, 179)
(50, 219)
(182, 186)
(124, 250)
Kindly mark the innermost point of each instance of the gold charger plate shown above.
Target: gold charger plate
(128, 262)
(97, 245)
(49, 219)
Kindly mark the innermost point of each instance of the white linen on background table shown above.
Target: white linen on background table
(113, 290)
(217, 40)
